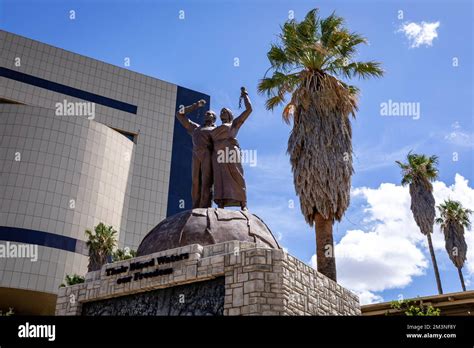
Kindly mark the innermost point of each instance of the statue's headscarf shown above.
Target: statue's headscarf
(231, 115)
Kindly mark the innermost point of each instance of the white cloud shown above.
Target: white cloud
(388, 210)
(366, 297)
(369, 262)
(460, 138)
(390, 250)
(420, 34)
(470, 255)
(385, 251)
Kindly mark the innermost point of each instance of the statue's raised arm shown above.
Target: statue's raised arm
(238, 121)
(183, 111)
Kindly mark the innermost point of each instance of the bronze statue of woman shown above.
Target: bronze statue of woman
(229, 182)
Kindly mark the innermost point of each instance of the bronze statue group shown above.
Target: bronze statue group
(213, 178)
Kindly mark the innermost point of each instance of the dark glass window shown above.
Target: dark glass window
(52, 240)
(129, 135)
(73, 92)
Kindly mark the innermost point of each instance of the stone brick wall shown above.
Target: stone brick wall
(258, 281)
(272, 282)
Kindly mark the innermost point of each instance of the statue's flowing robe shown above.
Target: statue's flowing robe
(229, 182)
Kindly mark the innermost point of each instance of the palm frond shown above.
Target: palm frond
(288, 113)
(349, 46)
(273, 102)
(308, 28)
(329, 26)
(278, 58)
(419, 168)
(362, 70)
(276, 87)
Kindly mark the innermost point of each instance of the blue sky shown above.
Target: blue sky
(383, 253)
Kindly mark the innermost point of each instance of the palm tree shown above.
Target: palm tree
(453, 219)
(419, 172)
(72, 280)
(308, 63)
(101, 245)
(123, 254)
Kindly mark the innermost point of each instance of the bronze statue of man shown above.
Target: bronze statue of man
(202, 175)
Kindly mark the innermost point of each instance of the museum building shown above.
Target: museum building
(81, 142)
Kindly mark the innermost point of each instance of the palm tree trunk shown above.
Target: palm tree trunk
(435, 264)
(462, 279)
(326, 260)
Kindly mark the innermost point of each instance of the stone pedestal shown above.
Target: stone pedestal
(231, 278)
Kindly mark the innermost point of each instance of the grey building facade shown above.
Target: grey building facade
(81, 142)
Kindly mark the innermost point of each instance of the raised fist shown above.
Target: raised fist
(201, 103)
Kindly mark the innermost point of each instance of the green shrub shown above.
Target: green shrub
(412, 309)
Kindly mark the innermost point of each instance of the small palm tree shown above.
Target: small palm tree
(309, 63)
(123, 254)
(101, 245)
(453, 219)
(419, 172)
(71, 280)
